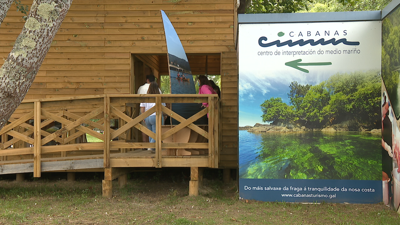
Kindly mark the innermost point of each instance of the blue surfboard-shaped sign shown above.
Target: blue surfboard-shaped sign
(179, 71)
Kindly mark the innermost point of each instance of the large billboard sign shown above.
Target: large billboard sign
(309, 112)
(390, 106)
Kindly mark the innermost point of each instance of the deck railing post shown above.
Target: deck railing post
(158, 131)
(107, 136)
(211, 140)
(37, 167)
(216, 132)
(64, 136)
(4, 139)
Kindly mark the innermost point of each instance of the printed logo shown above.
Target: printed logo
(262, 41)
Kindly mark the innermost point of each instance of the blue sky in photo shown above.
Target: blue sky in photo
(254, 90)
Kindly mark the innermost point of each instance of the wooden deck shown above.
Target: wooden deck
(31, 143)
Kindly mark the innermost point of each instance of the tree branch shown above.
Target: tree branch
(4, 7)
(22, 64)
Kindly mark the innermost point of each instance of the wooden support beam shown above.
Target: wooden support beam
(107, 188)
(226, 175)
(37, 167)
(201, 170)
(194, 181)
(194, 173)
(72, 165)
(193, 188)
(20, 177)
(122, 180)
(70, 177)
(107, 183)
(166, 162)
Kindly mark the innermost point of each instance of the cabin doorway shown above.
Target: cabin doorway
(157, 64)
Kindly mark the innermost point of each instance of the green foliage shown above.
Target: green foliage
(290, 6)
(276, 110)
(22, 8)
(275, 6)
(390, 54)
(165, 84)
(297, 93)
(344, 5)
(314, 103)
(343, 97)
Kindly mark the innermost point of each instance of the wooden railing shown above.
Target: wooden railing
(28, 134)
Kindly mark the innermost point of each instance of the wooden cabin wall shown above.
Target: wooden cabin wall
(91, 53)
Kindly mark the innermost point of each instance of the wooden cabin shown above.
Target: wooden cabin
(97, 62)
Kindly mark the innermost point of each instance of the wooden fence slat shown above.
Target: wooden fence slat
(16, 123)
(73, 136)
(179, 118)
(184, 123)
(72, 147)
(4, 138)
(216, 133)
(30, 130)
(18, 151)
(38, 141)
(211, 140)
(158, 132)
(91, 123)
(107, 135)
(21, 137)
(133, 122)
(70, 125)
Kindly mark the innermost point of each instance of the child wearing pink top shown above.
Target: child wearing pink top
(205, 88)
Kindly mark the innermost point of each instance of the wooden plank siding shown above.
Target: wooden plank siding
(91, 53)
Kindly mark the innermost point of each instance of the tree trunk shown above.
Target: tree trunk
(244, 4)
(4, 7)
(22, 64)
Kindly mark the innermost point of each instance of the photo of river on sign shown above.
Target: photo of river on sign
(309, 111)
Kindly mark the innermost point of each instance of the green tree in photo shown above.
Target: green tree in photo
(297, 93)
(343, 98)
(314, 102)
(277, 111)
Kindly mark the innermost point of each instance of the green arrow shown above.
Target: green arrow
(296, 63)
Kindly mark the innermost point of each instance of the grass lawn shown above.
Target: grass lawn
(160, 197)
